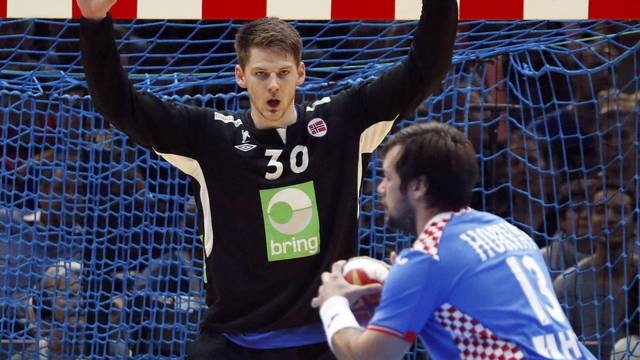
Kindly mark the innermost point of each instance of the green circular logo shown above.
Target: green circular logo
(290, 211)
(281, 212)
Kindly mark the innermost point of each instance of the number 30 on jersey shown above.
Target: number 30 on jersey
(298, 161)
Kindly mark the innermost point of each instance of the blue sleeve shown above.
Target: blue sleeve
(413, 291)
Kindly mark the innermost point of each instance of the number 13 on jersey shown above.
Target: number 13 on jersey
(562, 342)
(525, 269)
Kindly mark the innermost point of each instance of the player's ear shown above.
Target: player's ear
(240, 77)
(418, 188)
(302, 73)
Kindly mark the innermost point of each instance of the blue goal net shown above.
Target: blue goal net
(99, 251)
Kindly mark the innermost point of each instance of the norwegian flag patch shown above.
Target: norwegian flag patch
(317, 127)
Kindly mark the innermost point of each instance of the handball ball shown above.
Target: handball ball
(364, 270)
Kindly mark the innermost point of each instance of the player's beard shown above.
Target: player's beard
(404, 220)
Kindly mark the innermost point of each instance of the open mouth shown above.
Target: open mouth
(273, 103)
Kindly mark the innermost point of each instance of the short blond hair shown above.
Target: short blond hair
(269, 33)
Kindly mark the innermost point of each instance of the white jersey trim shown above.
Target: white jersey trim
(370, 139)
(192, 167)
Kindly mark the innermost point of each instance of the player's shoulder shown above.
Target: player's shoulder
(413, 260)
(442, 230)
(469, 220)
(342, 101)
(485, 236)
(317, 105)
(463, 235)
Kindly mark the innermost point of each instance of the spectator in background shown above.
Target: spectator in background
(137, 198)
(571, 128)
(148, 310)
(127, 231)
(587, 84)
(31, 240)
(523, 183)
(570, 244)
(57, 314)
(19, 245)
(172, 287)
(593, 292)
(31, 131)
(466, 105)
(39, 131)
(628, 348)
(618, 136)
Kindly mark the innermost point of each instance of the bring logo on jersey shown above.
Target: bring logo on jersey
(291, 225)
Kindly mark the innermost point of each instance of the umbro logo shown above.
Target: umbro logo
(245, 147)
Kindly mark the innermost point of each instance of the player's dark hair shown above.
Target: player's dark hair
(268, 33)
(444, 156)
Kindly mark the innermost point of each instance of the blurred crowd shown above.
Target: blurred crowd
(98, 247)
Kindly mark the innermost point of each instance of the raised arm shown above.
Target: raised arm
(95, 9)
(399, 91)
(148, 121)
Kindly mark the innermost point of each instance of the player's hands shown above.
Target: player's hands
(95, 9)
(334, 284)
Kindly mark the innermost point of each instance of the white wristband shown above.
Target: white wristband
(336, 315)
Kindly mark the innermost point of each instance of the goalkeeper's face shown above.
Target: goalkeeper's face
(271, 78)
(400, 213)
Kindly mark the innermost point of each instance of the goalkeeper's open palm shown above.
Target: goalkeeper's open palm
(95, 9)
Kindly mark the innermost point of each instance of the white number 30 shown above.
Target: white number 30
(297, 166)
(526, 269)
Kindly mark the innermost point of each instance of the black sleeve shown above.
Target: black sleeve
(165, 127)
(399, 91)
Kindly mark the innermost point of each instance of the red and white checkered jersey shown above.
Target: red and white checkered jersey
(475, 287)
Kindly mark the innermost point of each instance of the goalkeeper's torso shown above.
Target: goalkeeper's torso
(275, 213)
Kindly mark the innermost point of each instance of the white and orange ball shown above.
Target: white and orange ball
(363, 270)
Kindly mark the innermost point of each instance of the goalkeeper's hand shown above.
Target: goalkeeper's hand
(95, 9)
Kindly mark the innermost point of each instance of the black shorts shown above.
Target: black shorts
(218, 347)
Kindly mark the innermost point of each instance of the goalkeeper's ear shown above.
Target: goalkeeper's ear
(240, 77)
(302, 73)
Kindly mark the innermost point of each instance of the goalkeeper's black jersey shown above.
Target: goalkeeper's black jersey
(274, 214)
